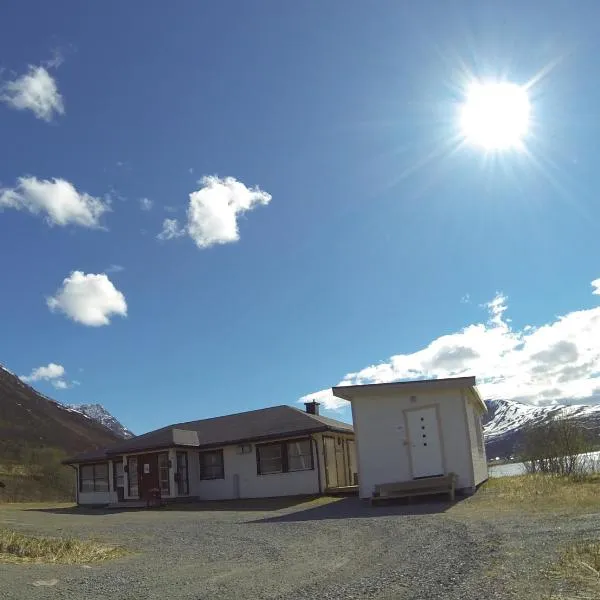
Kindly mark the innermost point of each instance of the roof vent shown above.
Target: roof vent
(312, 407)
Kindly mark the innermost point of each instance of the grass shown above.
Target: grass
(580, 566)
(535, 493)
(20, 548)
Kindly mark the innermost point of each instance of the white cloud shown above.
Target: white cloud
(51, 372)
(57, 199)
(114, 269)
(90, 299)
(214, 209)
(146, 203)
(555, 362)
(37, 91)
(170, 230)
(596, 286)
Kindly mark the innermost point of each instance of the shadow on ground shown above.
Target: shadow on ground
(354, 508)
(248, 505)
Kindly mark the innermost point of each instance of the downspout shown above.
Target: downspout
(76, 483)
(318, 463)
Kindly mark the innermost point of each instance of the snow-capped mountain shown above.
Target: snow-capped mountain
(506, 419)
(97, 412)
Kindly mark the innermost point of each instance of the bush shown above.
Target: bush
(559, 446)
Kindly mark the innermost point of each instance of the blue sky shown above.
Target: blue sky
(324, 224)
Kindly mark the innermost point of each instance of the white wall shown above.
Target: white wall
(479, 458)
(382, 439)
(251, 485)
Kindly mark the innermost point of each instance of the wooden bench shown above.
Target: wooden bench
(416, 487)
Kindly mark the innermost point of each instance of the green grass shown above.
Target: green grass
(20, 548)
(535, 493)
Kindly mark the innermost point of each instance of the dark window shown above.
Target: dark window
(93, 478)
(132, 476)
(163, 474)
(284, 457)
(183, 484)
(211, 465)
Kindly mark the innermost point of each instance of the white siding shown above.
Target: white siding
(251, 485)
(382, 443)
(480, 469)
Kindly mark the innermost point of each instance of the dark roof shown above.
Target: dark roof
(254, 425)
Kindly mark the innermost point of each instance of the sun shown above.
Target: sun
(495, 115)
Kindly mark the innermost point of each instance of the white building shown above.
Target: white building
(277, 451)
(417, 429)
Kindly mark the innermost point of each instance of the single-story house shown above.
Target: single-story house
(417, 429)
(277, 451)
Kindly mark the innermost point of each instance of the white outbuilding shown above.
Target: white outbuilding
(414, 430)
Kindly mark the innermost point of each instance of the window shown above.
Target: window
(211, 465)
(163, 474)
(93, 478)
(479, 434)
(132, 476)
(299, 455)
(118, 476)
(183, 484)
(284, 457)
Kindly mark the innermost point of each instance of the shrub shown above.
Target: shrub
(559, 446)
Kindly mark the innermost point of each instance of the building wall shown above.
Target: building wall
(382, 439)
(350, 460)
(478, 455)
(250, 484)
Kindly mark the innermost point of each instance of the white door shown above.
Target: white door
(425, 443)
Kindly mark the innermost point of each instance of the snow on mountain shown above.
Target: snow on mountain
(506, 420)
(97, 412)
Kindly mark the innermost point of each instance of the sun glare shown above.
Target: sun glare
(495, 115)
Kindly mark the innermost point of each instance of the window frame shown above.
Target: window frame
(283, 444)
(94, 478)
(164, 456)
(129, 471)
(203, 477)
(115, 475)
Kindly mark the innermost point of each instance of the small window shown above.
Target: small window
(163, 474)
(479, 434)
(284, 457)
(118, 475)
(211, 465)
(93, 478)
(132, 476)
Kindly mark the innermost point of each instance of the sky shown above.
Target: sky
(207, 208)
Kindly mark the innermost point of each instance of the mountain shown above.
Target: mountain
(100, 414)
(506, 420)
(28, 418)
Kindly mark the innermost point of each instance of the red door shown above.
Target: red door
(148, 476)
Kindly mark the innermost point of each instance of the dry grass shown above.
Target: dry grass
(580, 566)
(16, 547)
(535, 493)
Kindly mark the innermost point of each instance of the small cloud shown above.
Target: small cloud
(170, 230)
(51, 372)
(56, 60)
(145, 203)
(466, 299)
(170, 209)
(57, 199)
(114, 269)
(191, 170)
(36, 91)
(213, 211)
(90, 299)
(596, 286)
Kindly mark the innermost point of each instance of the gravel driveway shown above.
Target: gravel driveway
(341, 549)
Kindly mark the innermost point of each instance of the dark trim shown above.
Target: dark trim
(316, 451)
(93, 465)
(222, 476)
(284, 455)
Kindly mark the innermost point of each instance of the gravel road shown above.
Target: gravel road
(339, 550)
